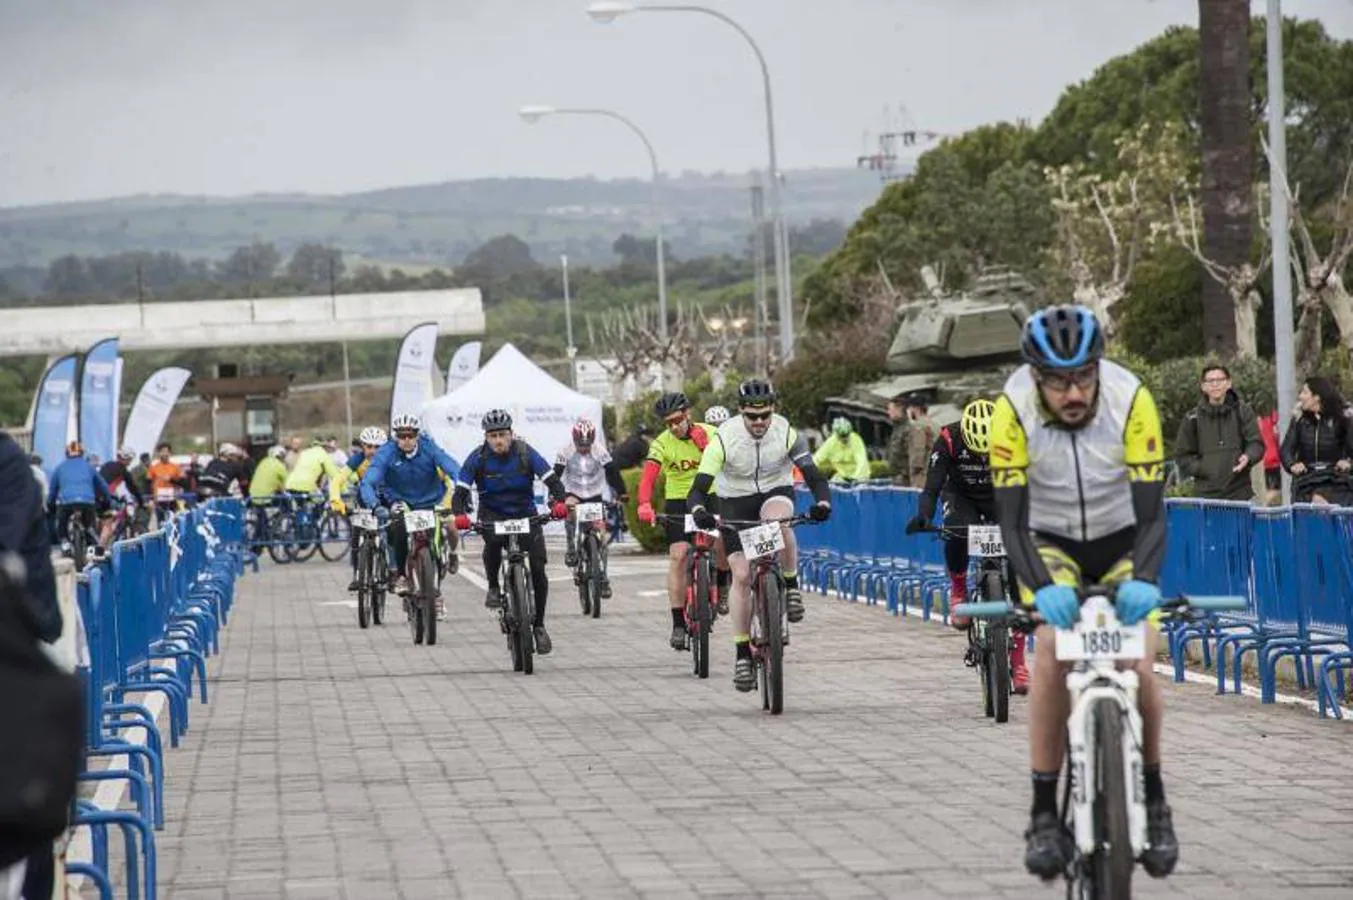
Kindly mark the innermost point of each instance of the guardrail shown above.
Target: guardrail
(151, 613)
(1294, 564)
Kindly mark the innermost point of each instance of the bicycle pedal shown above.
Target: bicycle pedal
(970, 659)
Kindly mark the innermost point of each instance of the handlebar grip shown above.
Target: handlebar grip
(1216, 602)
(987, 610)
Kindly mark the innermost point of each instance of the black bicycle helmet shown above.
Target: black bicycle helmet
(496, 420)
(673, 402)
(755, 392)
(1062, 337)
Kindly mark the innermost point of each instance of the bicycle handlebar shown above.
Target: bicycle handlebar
(537, 519)
(1181, 605)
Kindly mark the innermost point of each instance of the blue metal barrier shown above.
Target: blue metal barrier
(1294, 565)
(157, 598)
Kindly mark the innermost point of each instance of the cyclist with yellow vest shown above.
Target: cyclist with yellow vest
(1077, 467)
(675, 454)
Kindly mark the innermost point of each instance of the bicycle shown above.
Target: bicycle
(422, 529)
(1107, 813)
(590, 570)
(769, 627)
(517, 612)
(372, 568)
(81, 536)
(701, 592)
(989, 643)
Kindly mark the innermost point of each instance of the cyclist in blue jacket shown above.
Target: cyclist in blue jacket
(413, 470)
(76, 484)
(504, 471)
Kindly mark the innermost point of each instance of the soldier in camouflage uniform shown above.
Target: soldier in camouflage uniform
(912, 436)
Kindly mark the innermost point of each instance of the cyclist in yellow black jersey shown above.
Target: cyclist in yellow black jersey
(1077, 467)
(675, 454)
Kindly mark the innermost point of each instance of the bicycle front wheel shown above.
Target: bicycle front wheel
(523, 641)
(427, 595)
(997, 668)
(593, 550)
(773, 651)
(364, 582)
(1112, 863)
(333, 537)
(703, 618)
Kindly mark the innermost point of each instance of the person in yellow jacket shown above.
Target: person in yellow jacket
(844, 452)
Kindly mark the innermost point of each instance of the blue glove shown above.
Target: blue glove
(1057, 604)
(1135, 600)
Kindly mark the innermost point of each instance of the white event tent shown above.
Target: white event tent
(543, 409)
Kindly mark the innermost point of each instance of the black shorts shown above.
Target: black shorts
(748, 509)
(1102, 560)
(1273, 479)
(676, 527)
(960, 509)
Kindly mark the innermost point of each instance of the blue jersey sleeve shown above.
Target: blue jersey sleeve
(443, 459)
(374, 477)
(538, 464)
(101, 490)
(465, 476)
(355, 459)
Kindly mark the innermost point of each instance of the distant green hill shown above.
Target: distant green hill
(435, 224)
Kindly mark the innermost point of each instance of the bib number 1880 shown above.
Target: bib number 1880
(1102, 643)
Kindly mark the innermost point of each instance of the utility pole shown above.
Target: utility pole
(571, 350)
(759, 269)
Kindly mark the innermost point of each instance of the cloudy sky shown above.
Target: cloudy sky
(101, 98)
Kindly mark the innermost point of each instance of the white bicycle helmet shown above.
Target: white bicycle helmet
(372, 436)
(406, 422)
(716, 415)
(277, 451)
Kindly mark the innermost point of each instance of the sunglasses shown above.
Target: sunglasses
(757, 416)
(498, 432)
(673, 421)
(405, 435)
(1061, 382)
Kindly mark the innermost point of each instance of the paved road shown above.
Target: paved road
(340, 763)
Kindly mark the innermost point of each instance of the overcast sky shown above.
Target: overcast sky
(105, 98)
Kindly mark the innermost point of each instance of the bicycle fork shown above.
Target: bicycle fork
(1087, 688)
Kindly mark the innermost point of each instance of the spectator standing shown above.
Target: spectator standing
(1219, 440)
(633, 450)
(910, 441)
(1318, 447)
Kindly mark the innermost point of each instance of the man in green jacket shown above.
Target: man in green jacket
(844, 452)
(1219, 441)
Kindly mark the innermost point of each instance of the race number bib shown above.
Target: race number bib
(985, 540)
(1098, 635)
(762, 540)
(692, 528)
(164, 495)
(363, 519)
(590, 512)
(512, 526)
(419, 520)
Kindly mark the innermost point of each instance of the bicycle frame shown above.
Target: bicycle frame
(1088, 683)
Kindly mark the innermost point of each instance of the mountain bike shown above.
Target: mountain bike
(989, 642)
(590, 570)
(1102, 809)
(421, 527)
(517, 613)
(372, 567)
(702, 594)
(769, 627)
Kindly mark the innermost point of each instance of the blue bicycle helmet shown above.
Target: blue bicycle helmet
(1062, 337)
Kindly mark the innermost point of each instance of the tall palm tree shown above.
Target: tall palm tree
(1228, 158)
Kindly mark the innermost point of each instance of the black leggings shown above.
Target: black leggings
(534, 544)
(960, 511)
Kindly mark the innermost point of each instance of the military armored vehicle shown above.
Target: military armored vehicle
(948, 347)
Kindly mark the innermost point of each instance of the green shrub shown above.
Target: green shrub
(811, 378)
(652, 538)
(699, 390)
(878, 468)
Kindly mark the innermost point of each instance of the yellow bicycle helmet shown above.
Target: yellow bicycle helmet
(977, 425)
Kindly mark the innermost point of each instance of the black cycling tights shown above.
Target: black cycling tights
(956, 554)
(494, 546)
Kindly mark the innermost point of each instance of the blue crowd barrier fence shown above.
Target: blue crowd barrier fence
(152, 611)
(1294, 566)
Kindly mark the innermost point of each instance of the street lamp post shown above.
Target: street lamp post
(609, 11)
(533, 114)
(1278, 229)
(571, 350)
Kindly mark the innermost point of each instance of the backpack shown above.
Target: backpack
(523, 457)
(42, 750)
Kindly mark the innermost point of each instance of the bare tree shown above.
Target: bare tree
(1241, 281)
(723, 343)
(1320, 283)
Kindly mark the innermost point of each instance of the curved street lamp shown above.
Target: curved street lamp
(607, 11)
(533, 114)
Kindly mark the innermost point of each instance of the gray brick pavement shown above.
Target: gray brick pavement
(334, 762)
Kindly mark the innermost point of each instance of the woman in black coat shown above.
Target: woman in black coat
(1318, 447)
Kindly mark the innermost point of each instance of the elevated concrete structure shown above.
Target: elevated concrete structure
(53, 330)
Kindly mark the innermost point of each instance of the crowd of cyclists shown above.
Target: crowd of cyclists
(1067, 459)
